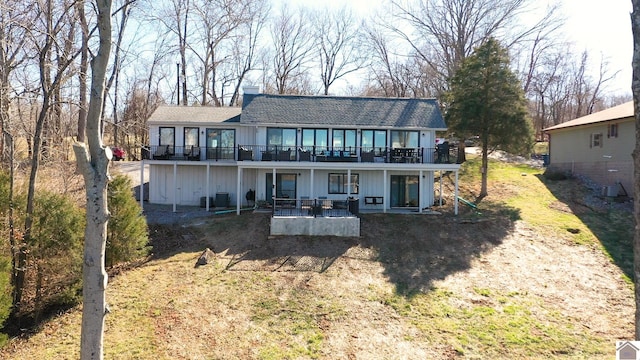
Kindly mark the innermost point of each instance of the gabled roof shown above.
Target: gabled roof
(173, 114)
(296, 110)
(615, 113)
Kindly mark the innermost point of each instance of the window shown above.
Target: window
(221, 143)
(279, 138)
(317, 138)
(344, 139)
(612, 131)
(338, 183)
(596, 140)
(404, 139)
(168, 137)
(375, 140)
(191, 137)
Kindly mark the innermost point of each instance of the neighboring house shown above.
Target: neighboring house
(378, 152)
(597, 146)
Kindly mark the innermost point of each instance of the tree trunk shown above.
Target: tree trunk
(28, 222)
(484, 169)
(82, 75)
(635, 85)
(462, 155)
(94, 163)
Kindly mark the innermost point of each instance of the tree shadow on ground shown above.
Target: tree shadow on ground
(414, 249)
(609, 219)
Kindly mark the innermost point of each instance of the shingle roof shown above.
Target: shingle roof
(341, 111)
(172, 114)
(615, 113)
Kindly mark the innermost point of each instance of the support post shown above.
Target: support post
(207, 190)
(238, 190)
(141, 192)
(175, 185)
(456, 196)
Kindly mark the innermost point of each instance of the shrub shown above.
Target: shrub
(5, 295)
(56, 249)
(127, 232)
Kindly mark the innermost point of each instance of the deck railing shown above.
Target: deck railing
(315, 207)
(419, 155)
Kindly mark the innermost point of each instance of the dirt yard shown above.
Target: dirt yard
(407, 254)
(524, 279)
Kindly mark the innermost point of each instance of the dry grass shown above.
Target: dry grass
(494, 283)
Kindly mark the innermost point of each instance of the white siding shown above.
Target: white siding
(192, 180)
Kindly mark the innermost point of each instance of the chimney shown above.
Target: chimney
(251, 90)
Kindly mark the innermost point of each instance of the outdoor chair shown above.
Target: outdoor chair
(367, 156)
(284, 155)
(162, 152)
(304, 155)
(194, 153)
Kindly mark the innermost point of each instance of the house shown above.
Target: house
(286, 151)
(597, 146)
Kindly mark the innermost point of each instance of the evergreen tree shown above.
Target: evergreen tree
(486, 99)
(127, 232)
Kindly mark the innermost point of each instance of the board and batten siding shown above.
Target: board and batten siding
(192, 183)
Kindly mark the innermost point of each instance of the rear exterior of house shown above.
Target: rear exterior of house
(351, 153)
(597, 146)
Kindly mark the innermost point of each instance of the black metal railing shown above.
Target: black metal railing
(315, 207)
(419, 155)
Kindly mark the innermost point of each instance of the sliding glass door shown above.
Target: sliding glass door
(285, 186)
(405, 190)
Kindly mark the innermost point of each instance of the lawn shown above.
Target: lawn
(538, 270)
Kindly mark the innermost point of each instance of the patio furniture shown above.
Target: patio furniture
(267, 156)
(192, 153)
(284, 155)
(304, 155)
(245, 154)
(367, 156)
(162, 152)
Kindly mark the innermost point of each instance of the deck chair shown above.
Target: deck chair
(284, 155)
(162, 152)
(366, 156)
(304, 155)
(194, 153)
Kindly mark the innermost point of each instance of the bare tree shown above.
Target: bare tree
(292, 43)
(445, 32)
(94, 163)
(114, 79)
(337, 36)
(246, 49)
(216, 21)
(13, 16)
(176, 19)
(54, 25)
(384, 65)
(82, 73)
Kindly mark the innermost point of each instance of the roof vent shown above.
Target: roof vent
(252, 90)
